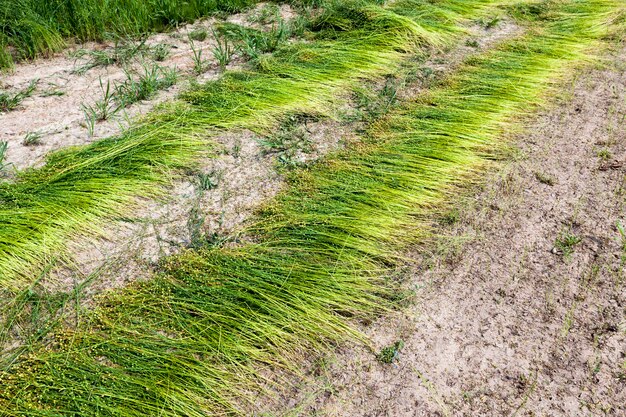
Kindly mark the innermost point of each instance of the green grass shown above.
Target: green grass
(566, 242)
(308, 77)
(390, 353)
(30, 28)
(4, 146)
(103, 108)
(144, 84)
(288, 141)
(123, 52)
(222, 51)
(44, 208)
(195, 339)
(32, 139)
(10, 101)
(80, 189)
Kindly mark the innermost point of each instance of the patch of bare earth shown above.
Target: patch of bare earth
(506, 320)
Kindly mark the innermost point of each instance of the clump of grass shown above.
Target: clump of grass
(103, 108)
(52, 93)
(490, 23)
(10, 101)
(123, 52)
(135, 88)
(566, 242)
(533, 11)
(32, 139)
(33, 313)
(160, 52)
(390, 353)
(199, 63)
(222, 51)
(144, 85)
(291, 139)
(372, 105)
(252, 43)
(198, 35)
(4, 146)
(268, 14)
(604, 154)
(208, 181)
(90, 119)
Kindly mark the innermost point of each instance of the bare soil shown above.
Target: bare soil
(505, 321)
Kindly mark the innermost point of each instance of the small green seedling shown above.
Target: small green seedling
(4, 146)
(90, 120)
(390, 353)
(160, 52)
(144, 85)
(52, 93)
(222, 52)
(491, 23)
(604, 154)
(208, 181)
(104, 108)
(10, 102)
(199, 63)
(566, 243)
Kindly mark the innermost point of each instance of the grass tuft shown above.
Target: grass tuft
(145, 85)
(32, 139)
(390, 353)
(10, 101)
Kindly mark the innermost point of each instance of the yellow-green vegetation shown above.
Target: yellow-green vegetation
(193, 340)
(81, 189)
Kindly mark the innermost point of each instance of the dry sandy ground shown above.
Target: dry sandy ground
(504, 323)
